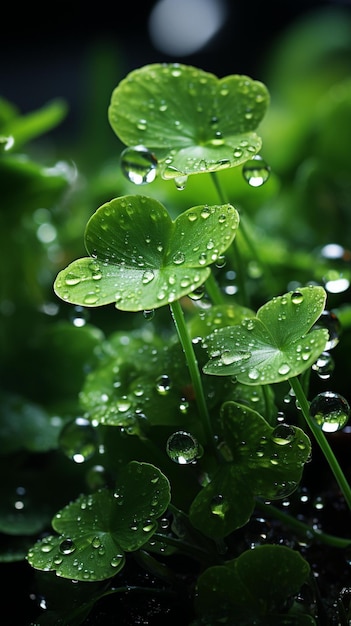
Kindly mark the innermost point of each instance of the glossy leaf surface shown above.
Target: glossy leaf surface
(274, 346)
(191, 120)
(141, 259)
(97, 529)
(253, 586)
(258, 463)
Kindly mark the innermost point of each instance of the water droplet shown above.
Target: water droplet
(198, 293)
(256, 171)
(284, 369)
(283, 434)
(180, 182)
(163, 385)
(330, 411)
(296, 297)
(148, 276)
(67, 546)
(219, 506)
(324, 366)
(178, 258)
(139, 165)
(229, 357)
(149, 314)
(182, 448)
(78, 440)
(331, 322)
(72, 279)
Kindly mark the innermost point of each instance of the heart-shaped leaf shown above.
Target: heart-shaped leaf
(273, 346)
(96, 530)
(191, 120)
(256, 584)
(141, 259)
(262, 461)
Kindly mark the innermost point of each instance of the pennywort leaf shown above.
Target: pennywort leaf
(97, 529)
(189, 119)
(261, 460)
(140, 259)
(255, 585)
(275, 345)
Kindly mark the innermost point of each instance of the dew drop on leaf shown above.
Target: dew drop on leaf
(163, 385)
(218, 506)
(330, 411)
(283, 434)
(178, 258)
(138, 165)
(67, 546)
(256, 171)
(182, 448)
(296, 297)
(148, 276)
(78, 440)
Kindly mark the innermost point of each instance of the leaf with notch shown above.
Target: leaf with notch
(192, 121)
(97, 529)
(140, 259)
(258, 464)
(254, 586)
(275, 345)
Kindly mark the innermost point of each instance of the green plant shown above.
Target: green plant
(194, 414)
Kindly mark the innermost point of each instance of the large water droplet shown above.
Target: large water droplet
(78, 440)
(163, 385)
(283, 434)
(139, 165)
(256, 171)
(324, 366)
(67, 546)
(330, 411)
(331, 322)
(182, 448)
(219, 506)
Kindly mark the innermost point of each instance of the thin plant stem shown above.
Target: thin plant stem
(213, 290)
(185, 340)
(233, 251)
(304, 530)
(321, 440)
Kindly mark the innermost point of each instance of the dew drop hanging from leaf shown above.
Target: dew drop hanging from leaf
(331, 322)
(256, 171)
(139, 165)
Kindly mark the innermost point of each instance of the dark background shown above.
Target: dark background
(48, 51)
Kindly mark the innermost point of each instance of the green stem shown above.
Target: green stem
(321, 440)
(196, 553)
(301, 528)
(236, 259)
(185, 340)
(213, 290)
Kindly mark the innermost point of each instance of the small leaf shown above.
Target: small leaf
(256, 584)
(258, 463)
(141, 259)
(97, 529)
(274, 346)
(191, 120)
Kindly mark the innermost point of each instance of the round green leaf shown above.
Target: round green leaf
(258, 463)
(256, 584)
(97, 529)
(141, 259)
(191, 120)
(274, 346)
